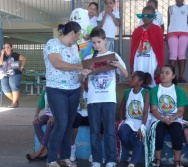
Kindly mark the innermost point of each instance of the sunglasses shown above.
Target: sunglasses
(147, 16)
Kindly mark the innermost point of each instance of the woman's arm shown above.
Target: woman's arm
(23, 61)
(2, 56)
(57, 62)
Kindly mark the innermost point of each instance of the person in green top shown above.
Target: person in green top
(46, 119)
(167, 105)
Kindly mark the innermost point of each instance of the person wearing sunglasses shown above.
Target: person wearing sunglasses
(177, 36)
(147, 46)
(159, 17)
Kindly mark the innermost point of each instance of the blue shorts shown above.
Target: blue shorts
(11, 83)
(110, 44)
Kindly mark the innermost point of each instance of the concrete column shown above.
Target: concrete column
(55, 33)
(79, 4)
(1, 36)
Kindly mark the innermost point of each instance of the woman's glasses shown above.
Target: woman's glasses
(147, 16)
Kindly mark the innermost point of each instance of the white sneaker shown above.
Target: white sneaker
(131, 165)
(52, 164)
(111, 164)
(73, 150)
(90, 158)
(95, 164)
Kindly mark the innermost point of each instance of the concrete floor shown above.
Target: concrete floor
(17, 135)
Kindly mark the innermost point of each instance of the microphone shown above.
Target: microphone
(95, 53)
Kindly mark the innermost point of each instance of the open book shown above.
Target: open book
(99, 64)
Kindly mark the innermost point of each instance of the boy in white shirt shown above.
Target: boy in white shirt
(102, 102)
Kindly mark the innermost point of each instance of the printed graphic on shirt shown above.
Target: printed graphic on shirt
(83, 104)
(102, 80)
(145, 48)
(10, 71)
(135, 110)
(48, 110)
(166, 104)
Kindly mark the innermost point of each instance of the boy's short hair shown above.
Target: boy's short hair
(98, 32)
(149, 8)
(94, 3)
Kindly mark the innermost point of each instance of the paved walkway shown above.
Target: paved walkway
(16, 134)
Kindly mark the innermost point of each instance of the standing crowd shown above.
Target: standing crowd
(76, 95)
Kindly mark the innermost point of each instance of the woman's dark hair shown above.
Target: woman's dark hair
(8, 44)
(155, 2)
(98, 32)
(94, 3)
(172, 68)
(149, 8)
(145, 77)
(68, 27)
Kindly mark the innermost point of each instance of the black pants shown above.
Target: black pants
(175, 132)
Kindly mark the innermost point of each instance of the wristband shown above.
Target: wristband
(36, 115)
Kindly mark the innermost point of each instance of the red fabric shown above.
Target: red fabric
(144, 38)
(155, 37)
(119, 150)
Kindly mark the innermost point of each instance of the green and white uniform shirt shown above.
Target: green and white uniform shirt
(134, 108)
(168, 99)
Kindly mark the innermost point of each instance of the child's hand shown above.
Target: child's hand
(115, 63)
(172, 119)
(51, 121)
(36, 119)
(86, 72)
(139, 134)
(166, 120)
(110, 11)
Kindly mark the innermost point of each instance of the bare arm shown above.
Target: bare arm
(116, 21)
(23, 61)
(58, 63)
(154, 110)
(122, 69)
(36, 117)
(178, 114)
(145, 115)
(101, 23)
(2, 56)
(146, 107)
